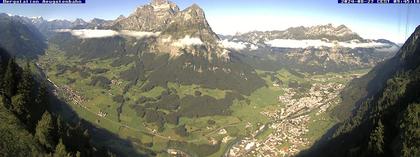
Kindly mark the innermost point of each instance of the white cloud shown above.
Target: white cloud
(96, 33)
(233, 45)
(187, 41)
(138, 34)
(91, 33)
(237, 45)
(388, 49)
(363, 45)
(253, 47)
(289, 43)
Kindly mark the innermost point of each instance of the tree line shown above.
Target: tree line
(27, 100)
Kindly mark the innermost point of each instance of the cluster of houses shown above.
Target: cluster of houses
(102, 114)
(290, 122)
(72, 95)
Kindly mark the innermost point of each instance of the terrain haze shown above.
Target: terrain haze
(374, 21)
(210, 79)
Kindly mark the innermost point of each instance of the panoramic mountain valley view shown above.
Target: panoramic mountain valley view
(209, 79)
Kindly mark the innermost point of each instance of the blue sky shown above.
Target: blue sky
(389, 21)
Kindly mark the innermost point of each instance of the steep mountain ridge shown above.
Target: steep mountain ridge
(152, 17)
(48, 27)
(362, 88)
(185, 50)
(190, 31)
(385, 117)
(319, 48)
(321, 32)
(19, 38)
(160, 25)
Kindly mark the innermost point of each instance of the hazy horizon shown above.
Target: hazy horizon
(394, 22)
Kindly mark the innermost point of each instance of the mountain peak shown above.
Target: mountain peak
(195, 6)
(197, 10)
(191, 21)
(186, 29)
(164, 6)
(342, 27)
(341, 32)
(5, 14)
(120, 17)
(159, 2)
(78, 20)
(410, 51)
(152, 17)
(191, 24)
(329, 25)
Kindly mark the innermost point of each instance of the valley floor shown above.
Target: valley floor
(286, 116)
(294, 126)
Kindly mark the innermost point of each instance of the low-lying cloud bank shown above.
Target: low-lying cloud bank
(233, 45)
(289, 43)
(237, 45)
(188, 41)
(97, 33)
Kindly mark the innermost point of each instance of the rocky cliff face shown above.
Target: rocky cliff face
(167, 44)
(324, 32)
(153, 17)
(180, 31)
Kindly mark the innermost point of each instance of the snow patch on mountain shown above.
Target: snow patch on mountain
(188, 41)
(96, 33)
(290, 43)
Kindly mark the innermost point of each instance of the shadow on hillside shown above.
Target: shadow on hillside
(101, 138)
(318, 144)
(343, 145)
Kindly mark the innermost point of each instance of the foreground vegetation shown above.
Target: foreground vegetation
(28, 127)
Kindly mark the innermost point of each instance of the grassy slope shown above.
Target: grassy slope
(133, 127)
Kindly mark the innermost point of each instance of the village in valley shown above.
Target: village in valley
(290, 122)
(292, 113)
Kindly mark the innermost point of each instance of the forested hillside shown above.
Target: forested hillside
(20, 38)
(28, 127)
(386, 123)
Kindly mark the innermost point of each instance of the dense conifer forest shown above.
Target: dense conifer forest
(28, 127)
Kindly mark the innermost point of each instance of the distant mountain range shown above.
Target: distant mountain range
(312, 49)
(173, 29)
(19, 38)
(160, 45)
(167, 44)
